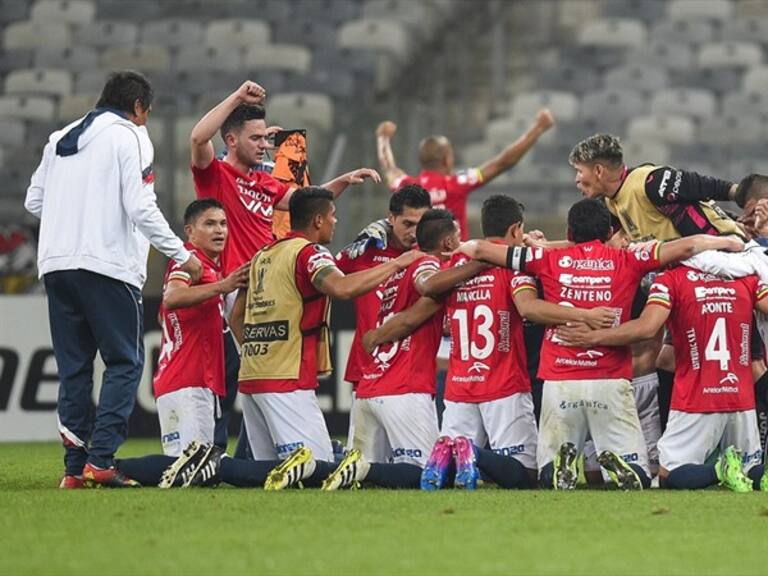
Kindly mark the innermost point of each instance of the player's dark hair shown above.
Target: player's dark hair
(306, 203)
(603, 148)
(432, 151)
(434, 225)
(499, 212)
(412, 195)
(123, 89)
(239, 116)
(589, 219)
(752, 187)
(197, 207)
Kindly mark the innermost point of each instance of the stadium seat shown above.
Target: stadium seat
(642, 151)
(613, 32)
(74, 59)
(660, 54)
(506, 130)
(415, 15)
(39, 81)
(107, 34)
(473, 155)
(719, 80)
(574, 13)
(640, 78)
(564, 105)
(339, 83)
(741, 128)
(27, 107)
(730, 54)
(751, 103)
(301, 110)
(613, 105)
(181, 132)
(292, 57)
(755, 79)
(69, 11)
(745, 30)
(233, 33)
(12, 132)
(173, 32)
(565, 77)
(130, 11)
(388, 36)
(541, 174)
(684, 101)
(204, 58)
(13, 11)
(645, 11)
(90, 81)
(37, 34)
(686, 31)
(142, 57)
(719, 10)
(751, 8)
(668, 129)
(16, 60)
(307, 32)
(335, 11)
(73, 106)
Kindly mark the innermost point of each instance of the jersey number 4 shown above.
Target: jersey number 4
(717, 346)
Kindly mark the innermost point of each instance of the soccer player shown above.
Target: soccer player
(587, 391)
(281, 323)
(713, 402)
(651, 202)
(249, 197)
(447, 188)
(380, 242)
(395, 417)
(190, 372)
(94, 194)
(488, 393)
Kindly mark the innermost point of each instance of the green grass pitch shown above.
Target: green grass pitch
(220, 531)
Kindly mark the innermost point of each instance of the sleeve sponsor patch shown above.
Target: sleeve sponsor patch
(522, 282)
(469, 177)
(659, 294)
(148, 175)
(322, 258)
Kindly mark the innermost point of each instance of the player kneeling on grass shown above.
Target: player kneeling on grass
(396, 419)
(488, 392)
(713, 401)
(587, 390)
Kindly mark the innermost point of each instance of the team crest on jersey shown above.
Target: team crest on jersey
(730, 378)
(591, 354)
(478, 366)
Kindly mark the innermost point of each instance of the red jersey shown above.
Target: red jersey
(311, 259)
(366, 306)
(711, 325)
(448, 191)
(248, 200)
(191, 349)
(409, 365)
(587, 275)
(488, 357)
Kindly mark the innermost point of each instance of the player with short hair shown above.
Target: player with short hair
(395, 416)
(713, 402)
(487, 387)
(447, 188)
(190, 371)
(651, 202)
(587, 391)
(281, 323)
(379, 242)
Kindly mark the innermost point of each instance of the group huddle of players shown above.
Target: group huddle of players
(651, 270)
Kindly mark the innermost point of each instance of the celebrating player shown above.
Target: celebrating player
(447, 188)
(713, 402)
(587, 391)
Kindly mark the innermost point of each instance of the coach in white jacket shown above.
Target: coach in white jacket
(94, 195)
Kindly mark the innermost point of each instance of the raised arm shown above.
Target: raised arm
(384, 133)
(401, 324)
(512, 154)
(646, 326)
(687, 247)
(486, 251)
(336, 186)
(204, 131)
(441, 282)
(332, 282)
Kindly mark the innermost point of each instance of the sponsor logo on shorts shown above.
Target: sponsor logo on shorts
(632, 457)
(756, 456)
(566, 405)
(407, 452)
(287, 448)
(170, 437)
(510, 450)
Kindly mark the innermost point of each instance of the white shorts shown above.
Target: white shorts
(186, 415)
(399, 429)
(279, 422)
(645, 389)
(693, 438)
(352, 417)
(574, 410)
(508, 425)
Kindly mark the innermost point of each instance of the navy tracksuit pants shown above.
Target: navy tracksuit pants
(90, 312)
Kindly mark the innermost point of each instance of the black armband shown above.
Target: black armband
(516, 257)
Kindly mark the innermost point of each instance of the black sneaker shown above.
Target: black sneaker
(197, 466)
